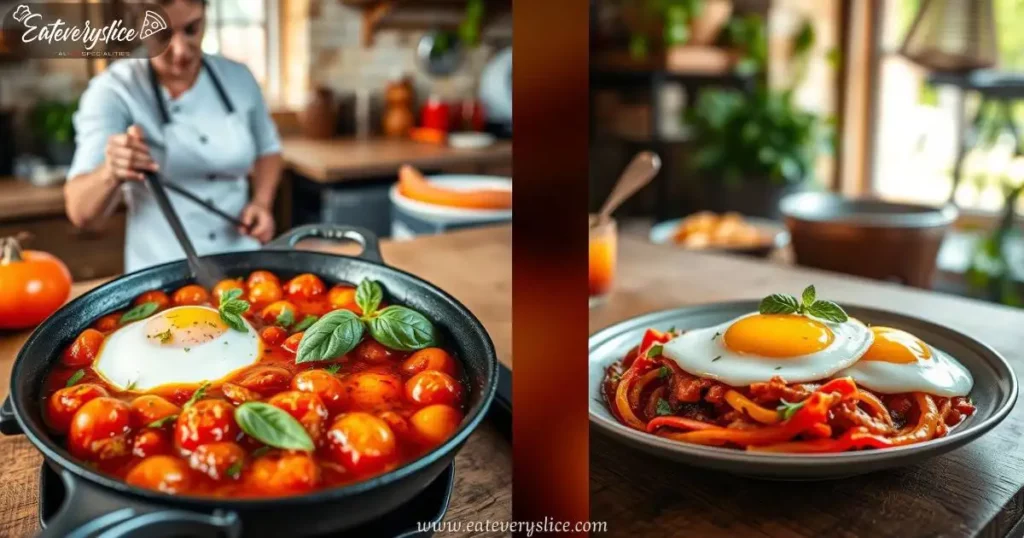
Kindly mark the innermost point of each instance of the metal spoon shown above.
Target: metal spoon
(205, 274)
(640, 171)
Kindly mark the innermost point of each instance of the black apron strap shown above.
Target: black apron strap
(165, 118)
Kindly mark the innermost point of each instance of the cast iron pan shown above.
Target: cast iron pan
(117, 509)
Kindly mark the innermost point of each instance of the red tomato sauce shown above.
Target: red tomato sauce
(370, 411)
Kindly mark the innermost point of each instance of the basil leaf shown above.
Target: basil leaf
(664, 408)
(332, 336)
(141, 311)
(368, 296)
(401, 328)
(272, 426)
(828, 311)
(231, 310)
(809, 296)
(654, 350)
(230, 295)
(260, 451)
(160, 423)
(235, 470)
(285, 319)
(306, 323)
(779, 303)
(75, 378)
(197, 395)
(786, 409)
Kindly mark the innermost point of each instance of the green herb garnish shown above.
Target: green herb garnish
(141, 311)
(333, 369)
(160, 423)
(664, 408)
(164, 337)
(131, 384)
(403, 329)
(663, 372)
(235, 470)
(197, 395)
(306, 323)
(260, 451)
(285, 319)
(272, 426)
(787, 409)
(231, 309)
(369, 294)
(716, 358)
(808, 304)
(75, 378)
(332, 336)
(655, 350)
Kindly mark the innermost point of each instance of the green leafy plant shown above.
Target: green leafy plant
(989, 274)
(674, 17)
(52, 120)
(469, 28)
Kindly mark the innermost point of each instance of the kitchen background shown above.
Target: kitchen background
(914, 101)
(357, 88)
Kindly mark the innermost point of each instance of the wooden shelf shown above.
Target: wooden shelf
(425, 15)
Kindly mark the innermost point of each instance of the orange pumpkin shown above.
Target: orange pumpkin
(33, 285)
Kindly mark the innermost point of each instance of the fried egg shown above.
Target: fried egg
(187, 344)
(900, 362)
(756, 347)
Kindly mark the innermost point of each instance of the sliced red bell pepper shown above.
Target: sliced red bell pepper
(651, 337)
(681, 423)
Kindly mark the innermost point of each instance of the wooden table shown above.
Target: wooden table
(21, 199)
(345, 159)
(973, 491)
(483, 486)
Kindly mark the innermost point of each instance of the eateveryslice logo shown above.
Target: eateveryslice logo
(69, 30)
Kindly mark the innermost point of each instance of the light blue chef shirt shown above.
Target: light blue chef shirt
(210, 152)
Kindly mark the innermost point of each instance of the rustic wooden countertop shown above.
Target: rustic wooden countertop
(973, 491)
(21, 199)
(346, 159)
(483, 486)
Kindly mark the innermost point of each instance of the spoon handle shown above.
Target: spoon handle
(200, 270)
(640, 171)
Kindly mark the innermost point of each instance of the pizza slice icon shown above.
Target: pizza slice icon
(152, 23)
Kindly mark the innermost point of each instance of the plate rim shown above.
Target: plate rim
(438, 211)
(719, 457)
(780, 237)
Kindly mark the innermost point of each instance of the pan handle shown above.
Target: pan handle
(366, 238)
(92, 512)
(8, 422)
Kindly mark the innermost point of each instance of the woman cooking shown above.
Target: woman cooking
(200, 122)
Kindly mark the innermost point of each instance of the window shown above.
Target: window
(918, 131)
(246, 31)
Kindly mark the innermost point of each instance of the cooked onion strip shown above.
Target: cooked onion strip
(876, 406)
(622, 399)
(743, 404)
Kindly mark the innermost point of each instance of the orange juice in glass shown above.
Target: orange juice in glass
(602, 259)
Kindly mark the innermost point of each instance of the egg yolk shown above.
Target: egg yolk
(777, 336)
(185, 327)
(894, 345)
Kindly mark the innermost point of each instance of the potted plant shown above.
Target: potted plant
(52, 122)
(752, 149)
(657, 24)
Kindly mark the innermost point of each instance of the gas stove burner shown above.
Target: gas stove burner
(428, 507)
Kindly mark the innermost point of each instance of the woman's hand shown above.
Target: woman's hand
(128, 155)
(259, 223)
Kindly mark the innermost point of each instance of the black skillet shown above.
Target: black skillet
(107, 507)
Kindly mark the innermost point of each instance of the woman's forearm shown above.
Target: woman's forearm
(266, 176)
(87, 197)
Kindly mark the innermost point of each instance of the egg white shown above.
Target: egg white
(129, 358)
(701, 352)
(941, 375)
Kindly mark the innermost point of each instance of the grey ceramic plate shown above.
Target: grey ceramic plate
(994, 394)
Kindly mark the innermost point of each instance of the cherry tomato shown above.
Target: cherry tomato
(305, 407)
(432, 387)
(398, 424)
(283, 474)
(431, 358)
(305, 286)
(374, 392)
(226, 285)
(372, 351)
(325, 385)
(264, 379)
(362, 443)
(84, 349)
(257, 277)
(434, 424)
(161, 473)
(218, 460)
(108, 323)
(35, 285)
(264, 293)
(155, 296)
(342, 296)
(238, 394)
(273, 311)
(150, 408)
(191, 294)
(67, 401)
(273, 336)
(291, 344)
(151, 442)
(208, 421)
(100, 429)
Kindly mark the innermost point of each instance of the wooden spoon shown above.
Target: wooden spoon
(640, 171)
